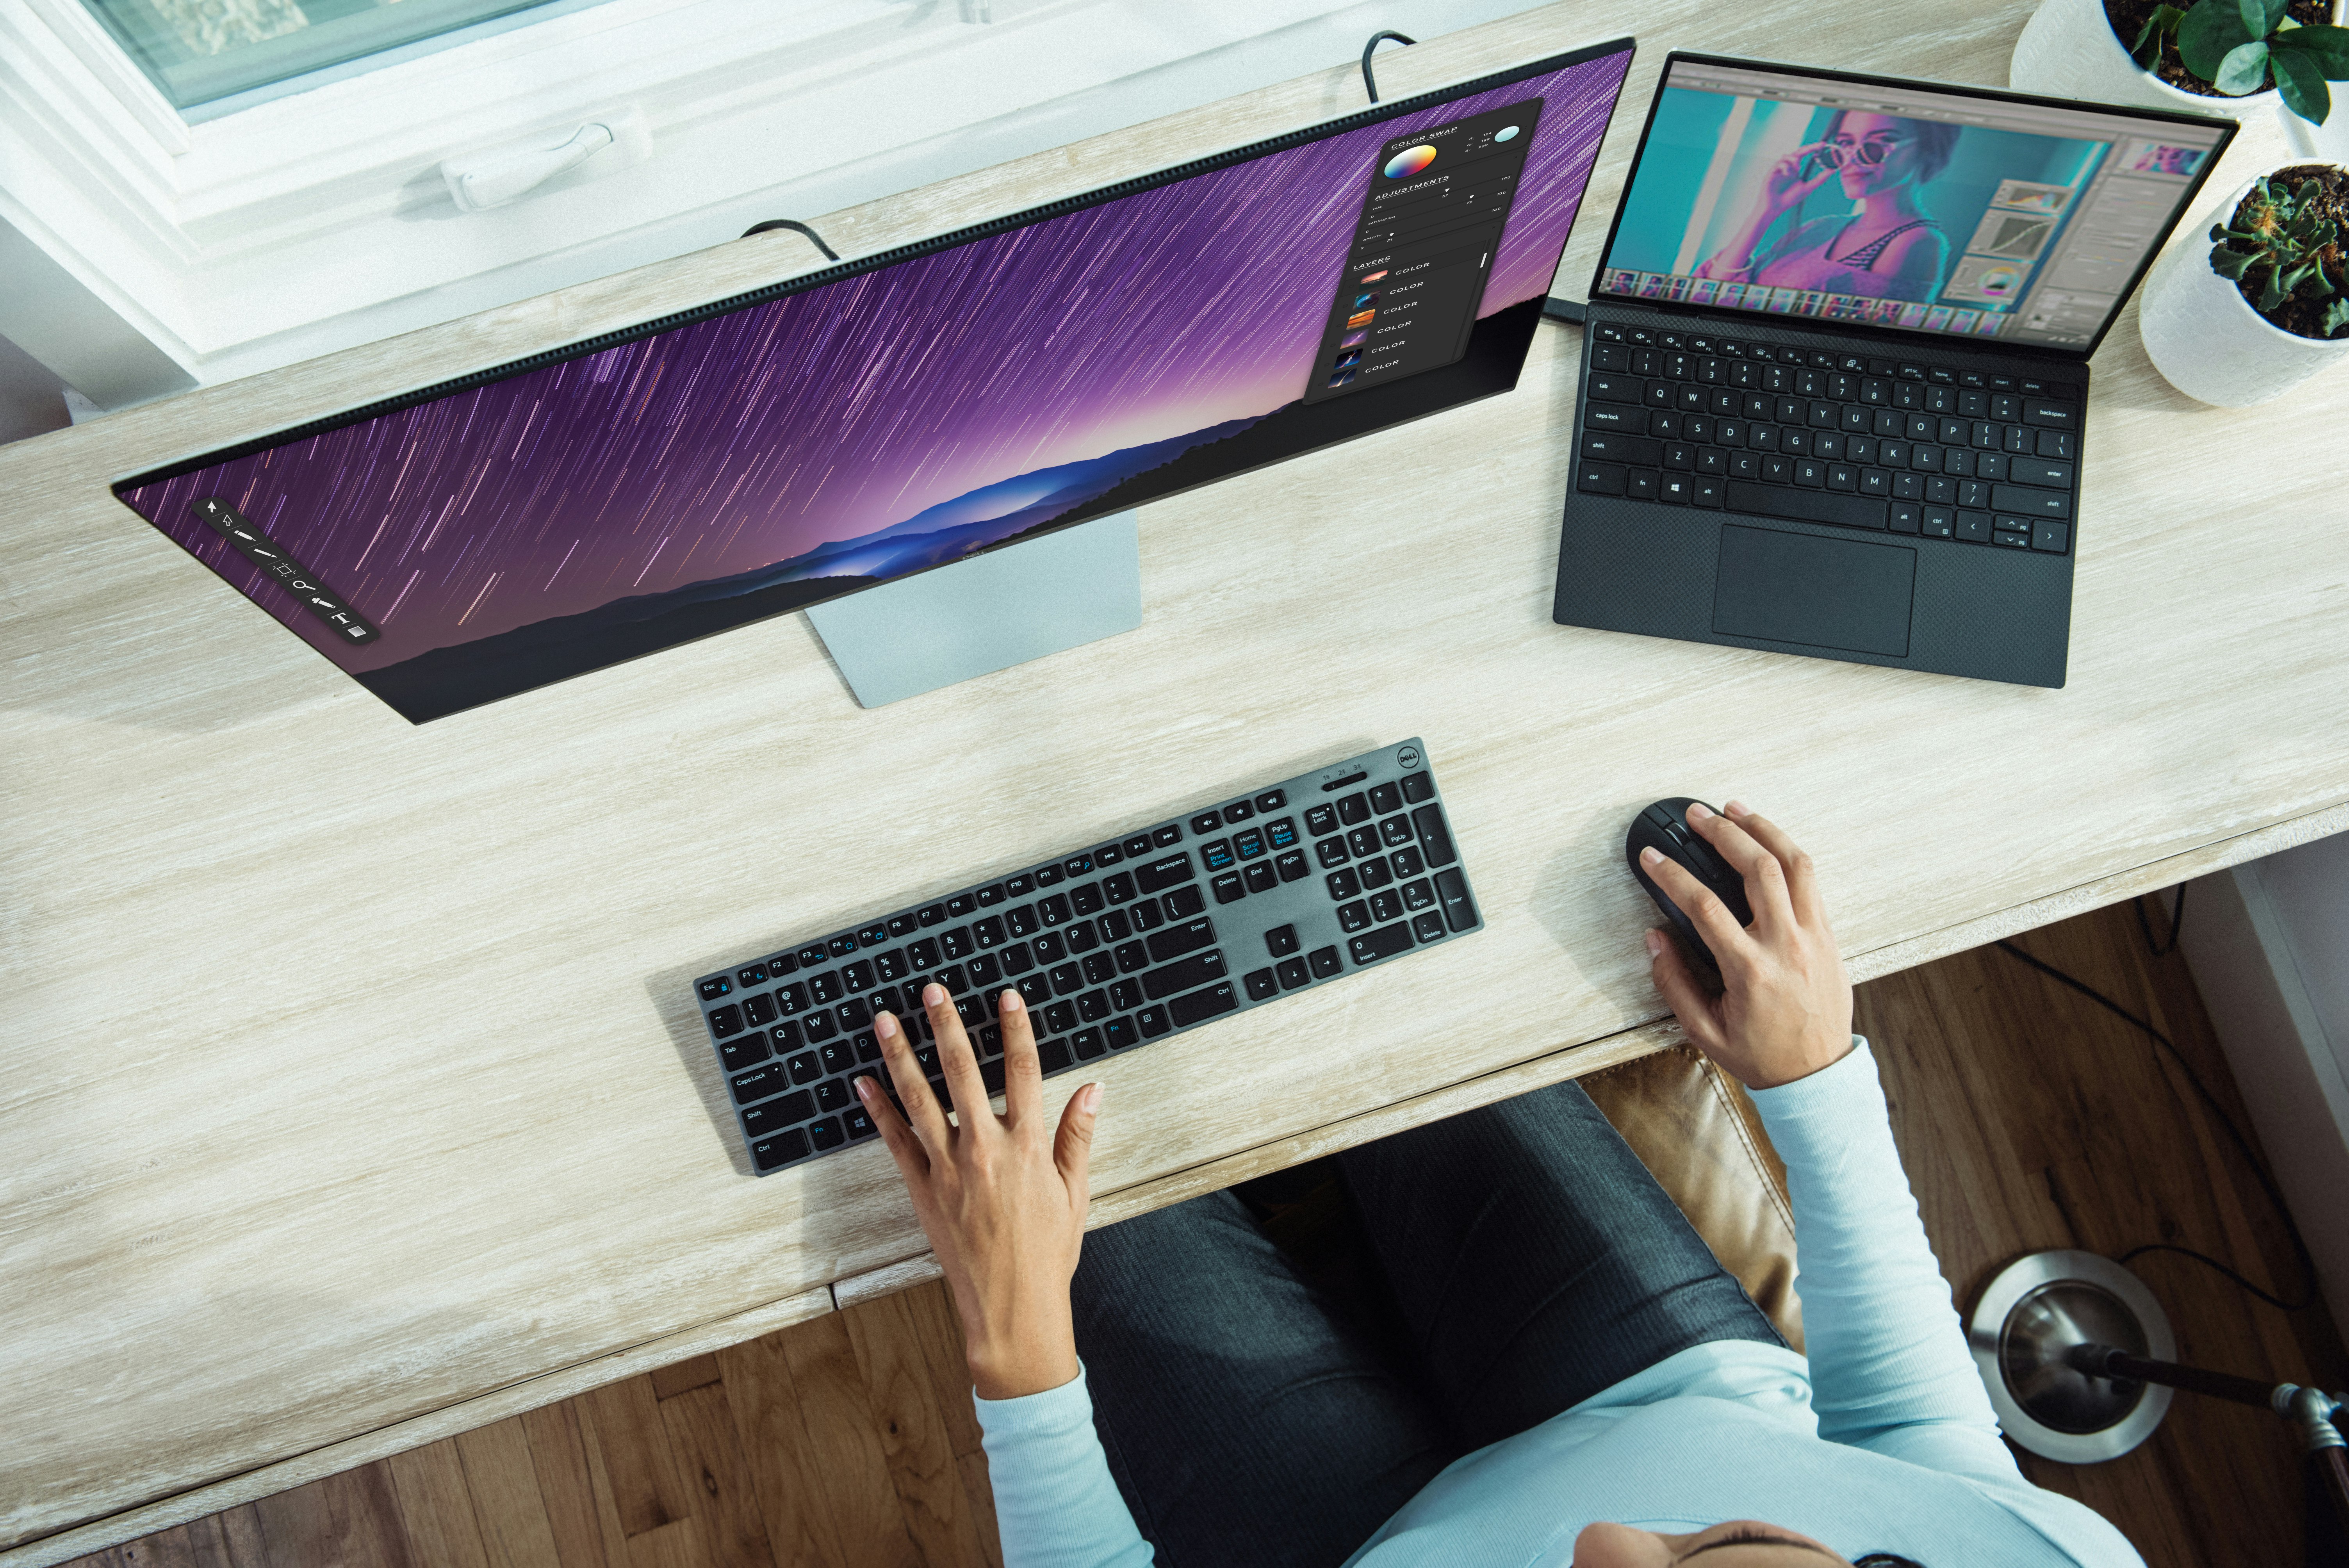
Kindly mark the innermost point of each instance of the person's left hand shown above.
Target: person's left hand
(1002, 1198)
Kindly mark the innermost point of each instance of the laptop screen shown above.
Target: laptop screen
(1900, 205)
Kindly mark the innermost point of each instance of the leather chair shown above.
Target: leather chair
(1694, 1129)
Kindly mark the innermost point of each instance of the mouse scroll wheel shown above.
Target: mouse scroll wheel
(1672, 831)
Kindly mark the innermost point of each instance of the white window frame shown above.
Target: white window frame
(316, 220)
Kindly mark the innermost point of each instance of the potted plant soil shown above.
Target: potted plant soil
(2268, 307)
(2227, 58)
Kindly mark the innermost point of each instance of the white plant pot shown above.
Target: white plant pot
(2207, 340)
(2326, 143)
(2067, 50)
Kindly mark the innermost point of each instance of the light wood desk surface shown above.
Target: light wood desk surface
(352, 1090)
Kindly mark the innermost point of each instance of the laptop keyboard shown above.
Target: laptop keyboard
(1899, 445)
(1112, 944)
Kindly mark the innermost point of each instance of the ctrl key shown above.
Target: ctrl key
(780, 1149)
(1600, 479)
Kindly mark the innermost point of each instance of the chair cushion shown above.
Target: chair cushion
(1698, 1135)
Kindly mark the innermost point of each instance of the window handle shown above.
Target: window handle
(478, 183)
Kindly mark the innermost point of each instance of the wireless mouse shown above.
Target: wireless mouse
(1664, 828)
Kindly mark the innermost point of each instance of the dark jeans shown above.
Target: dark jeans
(1532, 1262)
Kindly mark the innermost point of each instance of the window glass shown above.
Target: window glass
(198, 51)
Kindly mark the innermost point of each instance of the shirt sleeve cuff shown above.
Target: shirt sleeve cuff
(1811, 1119)
(1053, 1413)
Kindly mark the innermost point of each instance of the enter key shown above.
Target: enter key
(2040, 471)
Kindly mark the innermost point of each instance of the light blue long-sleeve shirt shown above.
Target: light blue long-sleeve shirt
(1883, 1440)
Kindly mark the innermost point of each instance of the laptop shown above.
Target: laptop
(1835, 369)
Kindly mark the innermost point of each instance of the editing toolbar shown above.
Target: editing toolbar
(279, 563)
(1415, 273)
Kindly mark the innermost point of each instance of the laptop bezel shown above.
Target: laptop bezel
(1875, 330)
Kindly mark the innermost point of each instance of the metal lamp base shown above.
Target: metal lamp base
(2025, 1325)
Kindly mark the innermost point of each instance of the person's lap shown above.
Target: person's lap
(1532, 1262)
(1230, 1399)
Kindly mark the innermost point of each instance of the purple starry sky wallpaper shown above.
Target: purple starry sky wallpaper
(864, 428)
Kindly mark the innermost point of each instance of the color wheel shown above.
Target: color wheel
(1410, 161)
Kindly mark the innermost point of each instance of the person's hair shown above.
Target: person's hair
(1936, 142)
(1892, 1559)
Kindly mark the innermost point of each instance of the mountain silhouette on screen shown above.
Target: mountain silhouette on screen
(448, 679)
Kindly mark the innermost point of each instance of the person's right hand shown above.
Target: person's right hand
(1786, 1009)
(1784, 186)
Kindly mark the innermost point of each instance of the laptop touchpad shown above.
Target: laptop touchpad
(1799, 588)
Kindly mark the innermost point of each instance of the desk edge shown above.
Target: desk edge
(1571, 1061)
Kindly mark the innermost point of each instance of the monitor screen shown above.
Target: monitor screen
(885, 416)
(1892, 204)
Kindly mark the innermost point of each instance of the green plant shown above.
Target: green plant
(2237, 45)
(2299, 246)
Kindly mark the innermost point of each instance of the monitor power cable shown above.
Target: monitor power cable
(796, 227)
(1369, 82)
(2210, 1103)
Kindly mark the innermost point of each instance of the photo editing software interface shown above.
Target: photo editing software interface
(1928, 209)
(474, 542)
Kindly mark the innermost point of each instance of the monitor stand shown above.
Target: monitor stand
(986, 613)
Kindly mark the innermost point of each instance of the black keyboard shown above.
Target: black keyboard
(1111, 945)
(1827, 436)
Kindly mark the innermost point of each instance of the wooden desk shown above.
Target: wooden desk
(353, 1096)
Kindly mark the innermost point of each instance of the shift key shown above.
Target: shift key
(1182, 974)
(2030, 501)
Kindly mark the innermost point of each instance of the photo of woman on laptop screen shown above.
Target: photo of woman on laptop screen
(1889, 247)
(1887, 213)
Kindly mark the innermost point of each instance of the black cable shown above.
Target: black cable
(796, 227)
(1369, 82)
(2205, 1258)
(2210, 1102)
(2177, 919)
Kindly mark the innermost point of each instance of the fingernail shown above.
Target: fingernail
(933, 995)
(866, 1087)
(1093, 1099)
(1698, 810)
(1655, 943)
(1740, 808)
(884, 1025)
(1009, 1000)
(1650, 858)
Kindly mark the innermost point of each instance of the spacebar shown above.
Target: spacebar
(1806, 505)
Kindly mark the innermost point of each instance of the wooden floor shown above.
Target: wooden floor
(2028, 1116)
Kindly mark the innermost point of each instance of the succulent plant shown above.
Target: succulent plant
(2289, 235)
(2236, 45)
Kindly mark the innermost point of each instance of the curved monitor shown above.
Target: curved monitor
(754, 455)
